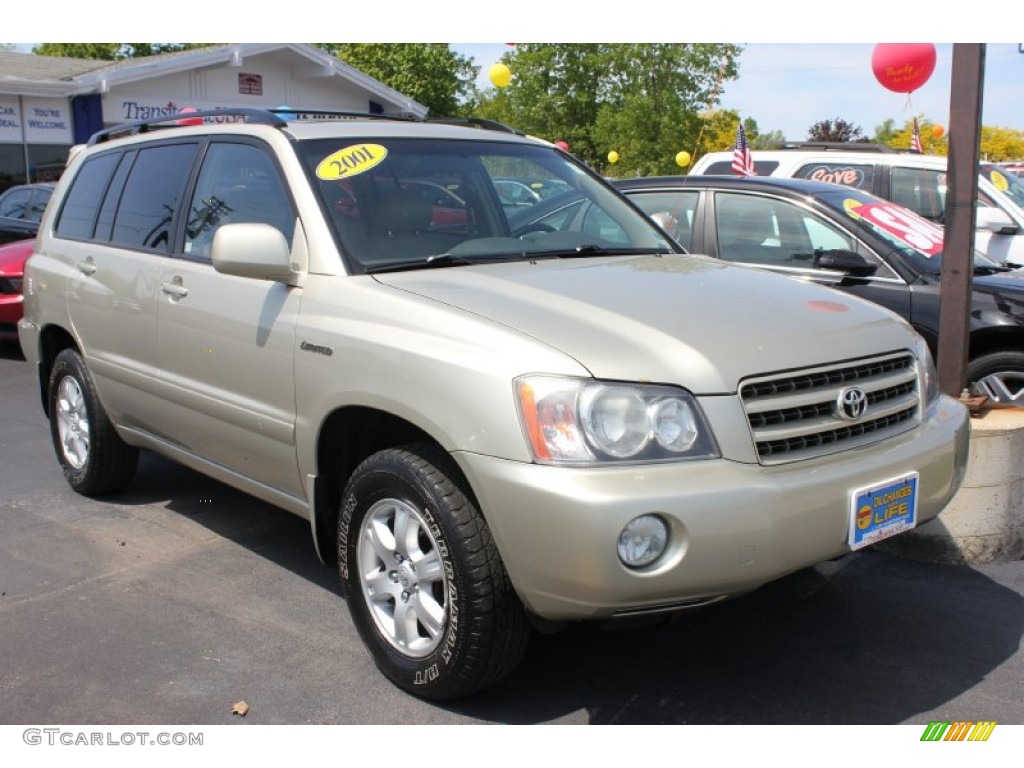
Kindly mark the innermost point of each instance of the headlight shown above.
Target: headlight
(926, 370)
(585, 421)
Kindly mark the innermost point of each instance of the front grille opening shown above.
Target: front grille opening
(795, 415)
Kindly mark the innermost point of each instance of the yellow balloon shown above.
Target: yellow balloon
(500, 75)
(613, 156)
(682, 159)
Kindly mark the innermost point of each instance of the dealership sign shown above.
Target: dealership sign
(34, 121)
(127, 108)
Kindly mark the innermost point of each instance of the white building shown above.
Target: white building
(47, 103)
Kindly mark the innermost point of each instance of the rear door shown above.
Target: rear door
(114, 232)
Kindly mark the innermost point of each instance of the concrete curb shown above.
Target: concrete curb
(984, 522)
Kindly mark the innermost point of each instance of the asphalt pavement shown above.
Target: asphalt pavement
(175, 600)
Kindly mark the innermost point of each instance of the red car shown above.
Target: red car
(12, 266)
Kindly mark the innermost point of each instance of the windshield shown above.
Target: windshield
(411, 203)
(1006, 182)
(915, 237)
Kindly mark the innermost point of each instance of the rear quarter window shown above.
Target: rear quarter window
(78, 214)
(724, 168)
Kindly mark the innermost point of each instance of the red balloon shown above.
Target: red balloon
(562, 145)
(903, 67)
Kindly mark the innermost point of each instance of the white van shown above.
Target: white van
(914, 181)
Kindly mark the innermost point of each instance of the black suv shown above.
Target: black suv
(850, 240)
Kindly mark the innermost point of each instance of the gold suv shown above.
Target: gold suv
(489, 414)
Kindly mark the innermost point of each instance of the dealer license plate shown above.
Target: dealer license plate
(883, 510)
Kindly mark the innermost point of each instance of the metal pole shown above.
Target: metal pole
(961, 194)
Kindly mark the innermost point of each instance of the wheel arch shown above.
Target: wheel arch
(996, 339)
(53, 340)
(348, 436)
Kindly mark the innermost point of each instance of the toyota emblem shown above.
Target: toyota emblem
(851, 403)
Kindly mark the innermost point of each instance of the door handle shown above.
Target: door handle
(174, 288)
(87, 267)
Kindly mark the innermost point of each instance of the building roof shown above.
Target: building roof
(28, 74)
(27, 66)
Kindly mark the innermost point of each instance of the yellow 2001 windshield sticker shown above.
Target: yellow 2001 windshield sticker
(350, 161)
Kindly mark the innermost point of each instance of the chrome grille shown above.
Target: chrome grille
(796, 414)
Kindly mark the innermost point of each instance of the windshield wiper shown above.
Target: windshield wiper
(441, 260)
(592, 249)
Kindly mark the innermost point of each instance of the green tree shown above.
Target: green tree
(835, 130)
(112, 51)
(644, 101)
(770, 140)
(885, 133)
(430, 73)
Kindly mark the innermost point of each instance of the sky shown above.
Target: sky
(789, 87)
(803, 62)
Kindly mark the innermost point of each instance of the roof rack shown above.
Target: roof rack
(273, 117)
(339, 113)
(258, 116)
(841, 146)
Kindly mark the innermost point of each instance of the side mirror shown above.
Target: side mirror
(252, 250)
(995, 221)
(847, 262)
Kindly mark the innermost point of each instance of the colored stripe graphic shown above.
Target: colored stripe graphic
(958, 730)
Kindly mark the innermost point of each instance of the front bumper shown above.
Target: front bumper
(733, 526)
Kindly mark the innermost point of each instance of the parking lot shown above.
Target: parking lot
(172, 602)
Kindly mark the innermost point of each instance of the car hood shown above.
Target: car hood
(13, 256)
(675, 319)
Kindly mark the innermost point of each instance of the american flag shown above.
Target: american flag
(915, 140)
(741, 160)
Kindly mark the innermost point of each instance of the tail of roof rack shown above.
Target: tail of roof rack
(477, 122)
(840, 146)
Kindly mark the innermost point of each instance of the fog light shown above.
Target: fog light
(643, 541)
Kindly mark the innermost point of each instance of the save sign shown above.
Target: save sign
(902, 223)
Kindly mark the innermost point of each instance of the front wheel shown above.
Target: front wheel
(94, 459)
(999, 376)
(425, 585)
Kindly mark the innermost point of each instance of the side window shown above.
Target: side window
(599, 224)
(674, 211)
(108, 208)
(759, 230)
(747, 229)
(15, 205)
(724, 168)
(847, 174)
(78, 213)
(38, 205)
(151, 194)
(921, 190)
(238, 184)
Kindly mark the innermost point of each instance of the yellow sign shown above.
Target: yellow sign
(999, 181)
(350, 161)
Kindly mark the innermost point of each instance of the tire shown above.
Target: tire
(999, 375)
(94, 459)
(434, 606)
